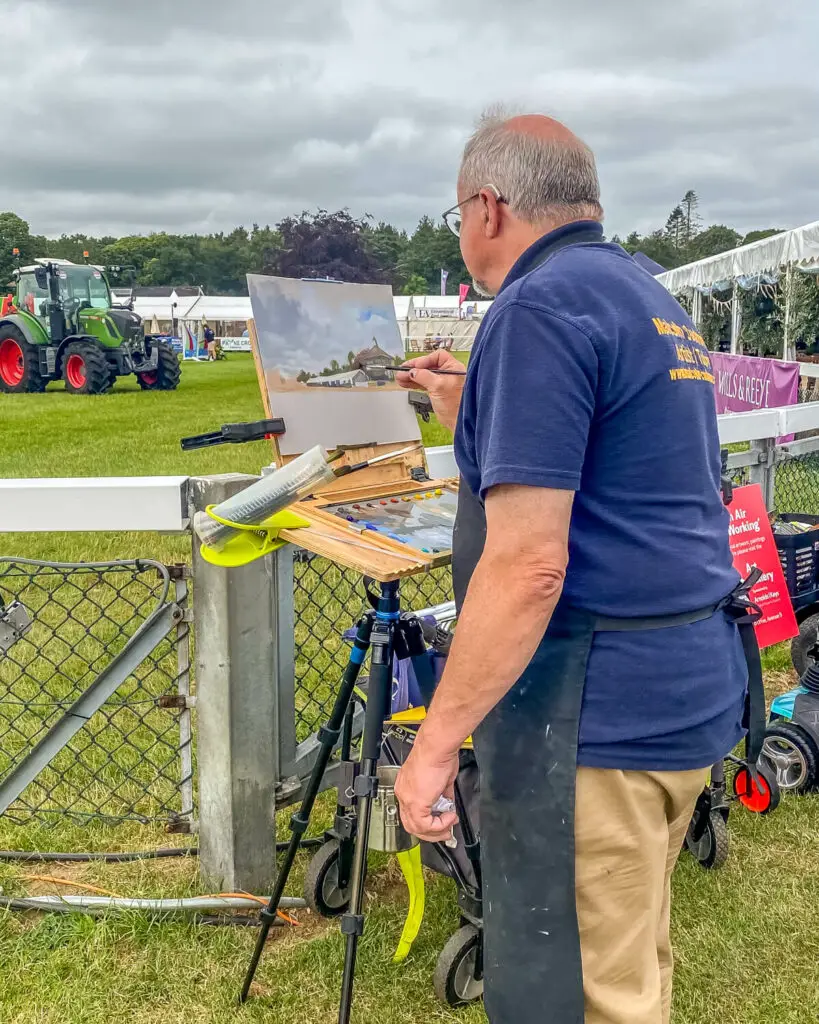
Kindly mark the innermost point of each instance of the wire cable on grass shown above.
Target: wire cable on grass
(37, 856)
(117, 898)
(99, 904)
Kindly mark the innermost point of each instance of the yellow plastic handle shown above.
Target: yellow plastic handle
(250, 542)
(413, 872)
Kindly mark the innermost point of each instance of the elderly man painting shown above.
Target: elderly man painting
(593, 659)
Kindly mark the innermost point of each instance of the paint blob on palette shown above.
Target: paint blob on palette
(422, 519)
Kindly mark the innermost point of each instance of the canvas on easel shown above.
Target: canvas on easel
(320, 349)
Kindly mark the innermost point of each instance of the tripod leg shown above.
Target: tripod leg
(328, 737)
(379, 694)
(344, 824)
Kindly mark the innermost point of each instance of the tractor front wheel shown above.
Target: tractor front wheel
(19, 363)
(85, 369)
(167, 373)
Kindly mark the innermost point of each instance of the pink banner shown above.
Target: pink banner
(463, 291)
(746, 382)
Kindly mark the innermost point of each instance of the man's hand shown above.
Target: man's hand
(422, 780)
(443, 389)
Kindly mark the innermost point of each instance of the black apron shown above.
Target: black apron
(526, 750)
(527, 756)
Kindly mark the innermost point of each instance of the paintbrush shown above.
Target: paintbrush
(344, 470)
(406, 369)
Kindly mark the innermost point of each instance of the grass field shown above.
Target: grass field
(746, 942)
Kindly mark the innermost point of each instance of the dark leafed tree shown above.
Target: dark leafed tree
(326, 245)
(416, 285)
(718, 238)
(690, 208)
(658, 247)
(675, 227)
(388, 245)
(632, 242)
(433, 248)
(756, 236)
(14, 234)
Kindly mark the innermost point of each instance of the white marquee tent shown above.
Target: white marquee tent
(798, 247)
(163, 307)
(745, 266)
(428, 317)
(220, 309)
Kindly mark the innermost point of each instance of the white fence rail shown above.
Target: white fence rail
(245, 619)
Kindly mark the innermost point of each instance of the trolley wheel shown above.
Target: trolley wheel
(792, 755)
(805, 646)
(760, 796)
(454, 981)
(321, 888)
(711, 849)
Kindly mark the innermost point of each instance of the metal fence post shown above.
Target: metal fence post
(763, 470)
(237, 635)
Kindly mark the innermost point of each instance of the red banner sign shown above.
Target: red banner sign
(752, 544)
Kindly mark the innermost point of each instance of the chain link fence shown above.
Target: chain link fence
(328, 600)
(133, 757)
(796, 486)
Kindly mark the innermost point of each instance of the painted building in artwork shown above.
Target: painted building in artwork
(373, 361)
(347, 379)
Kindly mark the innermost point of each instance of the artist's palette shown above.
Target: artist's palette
(422, 519)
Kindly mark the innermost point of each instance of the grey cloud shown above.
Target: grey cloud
(126, 22)
(201, 114)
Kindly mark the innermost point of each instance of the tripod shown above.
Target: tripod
(387, 633)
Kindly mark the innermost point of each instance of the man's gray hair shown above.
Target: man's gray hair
(540, 179)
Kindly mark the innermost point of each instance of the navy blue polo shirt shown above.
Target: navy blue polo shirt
(587, 375)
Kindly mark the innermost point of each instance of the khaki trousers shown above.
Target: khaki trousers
(629, 830)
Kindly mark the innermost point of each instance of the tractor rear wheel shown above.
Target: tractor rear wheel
(167, 373)
(19, 363)
(85, 369)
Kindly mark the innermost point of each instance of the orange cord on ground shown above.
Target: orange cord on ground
(258, 899)
(69, 881)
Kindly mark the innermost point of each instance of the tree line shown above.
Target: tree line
(326, 244)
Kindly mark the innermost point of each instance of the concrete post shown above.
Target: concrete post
(236, 617)
(764, 471)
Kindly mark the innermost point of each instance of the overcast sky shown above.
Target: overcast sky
(197, 115)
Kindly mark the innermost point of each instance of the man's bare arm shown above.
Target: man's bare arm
(511, 597)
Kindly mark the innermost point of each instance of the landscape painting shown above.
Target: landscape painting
(322, 350)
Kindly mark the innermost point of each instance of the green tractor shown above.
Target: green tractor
(63, 325)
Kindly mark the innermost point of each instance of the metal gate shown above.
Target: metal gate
(95, 705)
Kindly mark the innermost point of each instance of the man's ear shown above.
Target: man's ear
(491, 213)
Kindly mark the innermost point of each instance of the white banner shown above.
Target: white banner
(235, 344)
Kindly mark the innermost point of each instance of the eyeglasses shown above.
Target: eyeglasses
(452, 217)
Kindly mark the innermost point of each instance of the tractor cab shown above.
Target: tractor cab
(56, 291)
